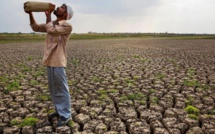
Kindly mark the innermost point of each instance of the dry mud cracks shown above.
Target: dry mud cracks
(128, 86)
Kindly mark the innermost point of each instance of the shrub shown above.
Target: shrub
(137, 96)
(43, 97)
(103, 97)
(191, 71)
(154, 100)
(142, 102)
(29, 121)
(124, 98)
(136, 56)
(143, 60)
(96, 79)
(151, 91)
(136, 77)
(51, 111)
(15, 122)
(193, 116)
(160, 76)
(38, 73)
(127, 80)
(192, 83)
(26, 69)
(102, 92)
(71, 123)
(113, 91)
(4, 78)
(188, 102)
(34, 82)
(192, 110)
(21, 64)
(29, 58)
(75, 62)
(12, 87)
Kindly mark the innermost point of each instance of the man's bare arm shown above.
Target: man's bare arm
(48, 13)
(35, 27)
(31, 17)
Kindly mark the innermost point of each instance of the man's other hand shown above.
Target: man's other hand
(51, 9)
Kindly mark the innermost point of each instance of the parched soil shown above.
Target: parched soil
(122, 86)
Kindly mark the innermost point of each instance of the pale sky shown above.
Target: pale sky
(173, 16)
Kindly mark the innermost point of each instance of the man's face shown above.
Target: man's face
(60, 11)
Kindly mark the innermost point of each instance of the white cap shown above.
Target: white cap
(70, 12)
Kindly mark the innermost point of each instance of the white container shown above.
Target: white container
(36, 6)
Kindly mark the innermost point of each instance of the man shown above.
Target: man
(54, 58)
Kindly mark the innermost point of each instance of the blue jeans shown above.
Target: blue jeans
(59, 90)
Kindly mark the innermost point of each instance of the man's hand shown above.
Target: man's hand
(28, 12)
(48, 13)
(32, 21)
(51, 9)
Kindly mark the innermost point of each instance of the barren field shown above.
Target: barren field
(118, 86)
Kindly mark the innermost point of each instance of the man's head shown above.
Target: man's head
(65, 12)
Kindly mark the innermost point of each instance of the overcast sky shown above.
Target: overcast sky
(173, 16)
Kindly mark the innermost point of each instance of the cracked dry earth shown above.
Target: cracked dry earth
(123, 86)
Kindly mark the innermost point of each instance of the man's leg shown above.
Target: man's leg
(61, 95)
(50, 73)
(50, 81)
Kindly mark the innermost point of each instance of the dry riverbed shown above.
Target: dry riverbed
(118, 86)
